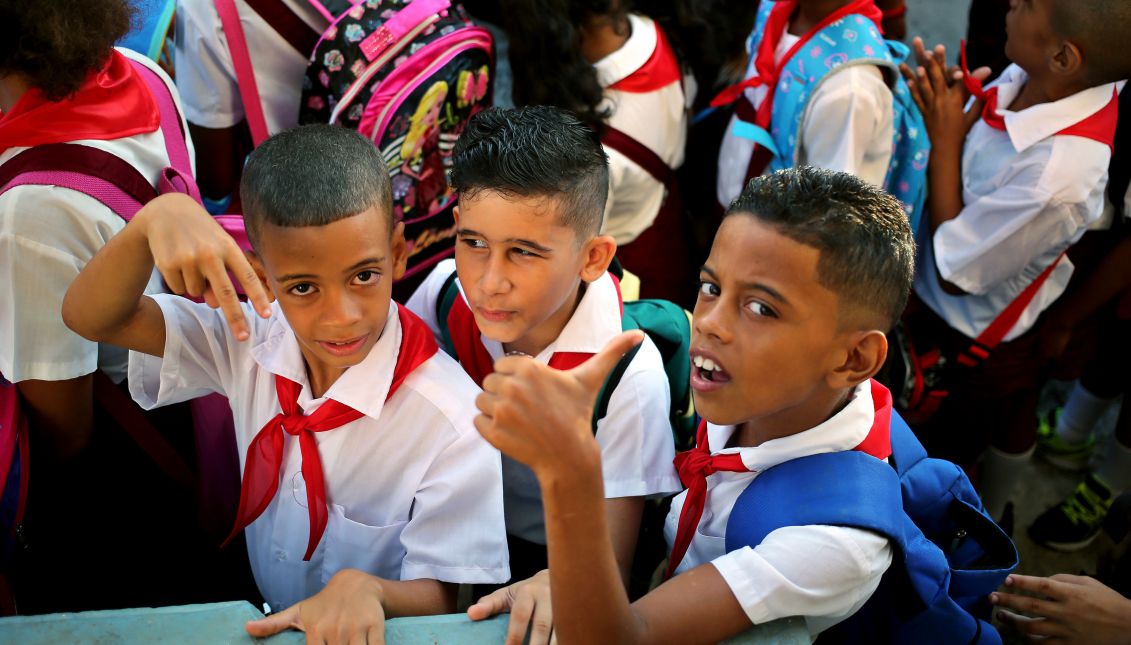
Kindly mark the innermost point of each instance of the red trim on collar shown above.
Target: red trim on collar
(1100, 126)
(660, 70)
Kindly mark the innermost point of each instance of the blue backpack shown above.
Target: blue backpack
(949, 554)
(852, 40)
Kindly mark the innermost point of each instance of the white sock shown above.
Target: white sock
(1001, 472)
(1081, 412)
(1115, 467)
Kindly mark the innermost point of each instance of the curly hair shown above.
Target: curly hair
(545, 54)
(57, 43)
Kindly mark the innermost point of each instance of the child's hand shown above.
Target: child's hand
(528, 602)
(347, 610)
(194, 254)
(1067, 609)
(941, 96)
(541, 416)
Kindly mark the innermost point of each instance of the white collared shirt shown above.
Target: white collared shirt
(207, 77)
(848, 126)
(47, 235)
(414, 491)
(1029, 194)
(635, 435)
(823, 573)
(657, 119)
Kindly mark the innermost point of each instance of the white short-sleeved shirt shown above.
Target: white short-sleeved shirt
(207, 78)
(848, 126)
(657, 119)
(635, 435)
(47, 235)
(414, 491)
(823, 573)
(1029, 194)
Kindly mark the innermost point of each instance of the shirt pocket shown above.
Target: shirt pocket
(376, 550)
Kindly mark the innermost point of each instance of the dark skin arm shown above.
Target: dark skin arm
(354, 605)
(590, 603)
(941, 99)
(62, 412)
(219, 158)
(895, 27)
(1111, 278)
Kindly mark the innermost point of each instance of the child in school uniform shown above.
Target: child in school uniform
(531, 270)
(619, 72)
(1013, 183)
(206, 77)
(70, 101)
(845, 121)
(808, 269)
(360, 462)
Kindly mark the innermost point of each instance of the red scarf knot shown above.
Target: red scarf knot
(264, 462)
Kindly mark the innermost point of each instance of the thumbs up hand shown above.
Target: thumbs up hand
(541, 416)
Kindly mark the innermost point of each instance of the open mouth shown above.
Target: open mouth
(343, 347)
(707, 370)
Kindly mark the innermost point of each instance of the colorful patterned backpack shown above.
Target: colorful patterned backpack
(408, 74)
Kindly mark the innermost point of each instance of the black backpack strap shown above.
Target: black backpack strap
(610, 385)
(448, 294)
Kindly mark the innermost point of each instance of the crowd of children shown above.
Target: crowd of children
(881, 245)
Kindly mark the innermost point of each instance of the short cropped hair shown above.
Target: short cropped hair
(537, 151)
(867, 252)
(313, 175)
(56, 44)
(1099, 29)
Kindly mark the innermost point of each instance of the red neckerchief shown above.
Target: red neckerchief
(696, 464)
(768, 69)
(112, 103)
(660, 70)
(474, 357)
(1100, 126)
(265, 453)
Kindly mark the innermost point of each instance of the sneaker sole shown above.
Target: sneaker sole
(1066, 464)
(1067, 547)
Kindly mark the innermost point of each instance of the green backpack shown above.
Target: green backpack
(669, 327)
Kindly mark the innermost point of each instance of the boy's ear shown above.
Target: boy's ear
(455, 216)
(866, 354)
(597, 254)
(260, 272)
(1068, 59)
(400, 251)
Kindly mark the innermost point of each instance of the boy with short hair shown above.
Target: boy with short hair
(533, 279)
(1013, 182)
(808, 269)
(356, 431)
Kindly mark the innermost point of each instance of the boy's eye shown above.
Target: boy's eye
(760, 309)
(474, 243)
(302, 289)
(367, 277)
(708, 288)
(521, 252)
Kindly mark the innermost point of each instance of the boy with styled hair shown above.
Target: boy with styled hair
(807, 271)
(531, 270)
(355, 431)
(1013, 182)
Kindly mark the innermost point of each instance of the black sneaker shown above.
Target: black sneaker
(1075, 522)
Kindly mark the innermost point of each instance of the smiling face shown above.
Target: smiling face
(334, 284)
(766, 341)
(521, 268)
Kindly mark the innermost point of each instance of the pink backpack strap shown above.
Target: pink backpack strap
(245, 76)
(94, 172)
(172, 127)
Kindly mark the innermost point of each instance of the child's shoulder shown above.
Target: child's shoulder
(441, 386)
